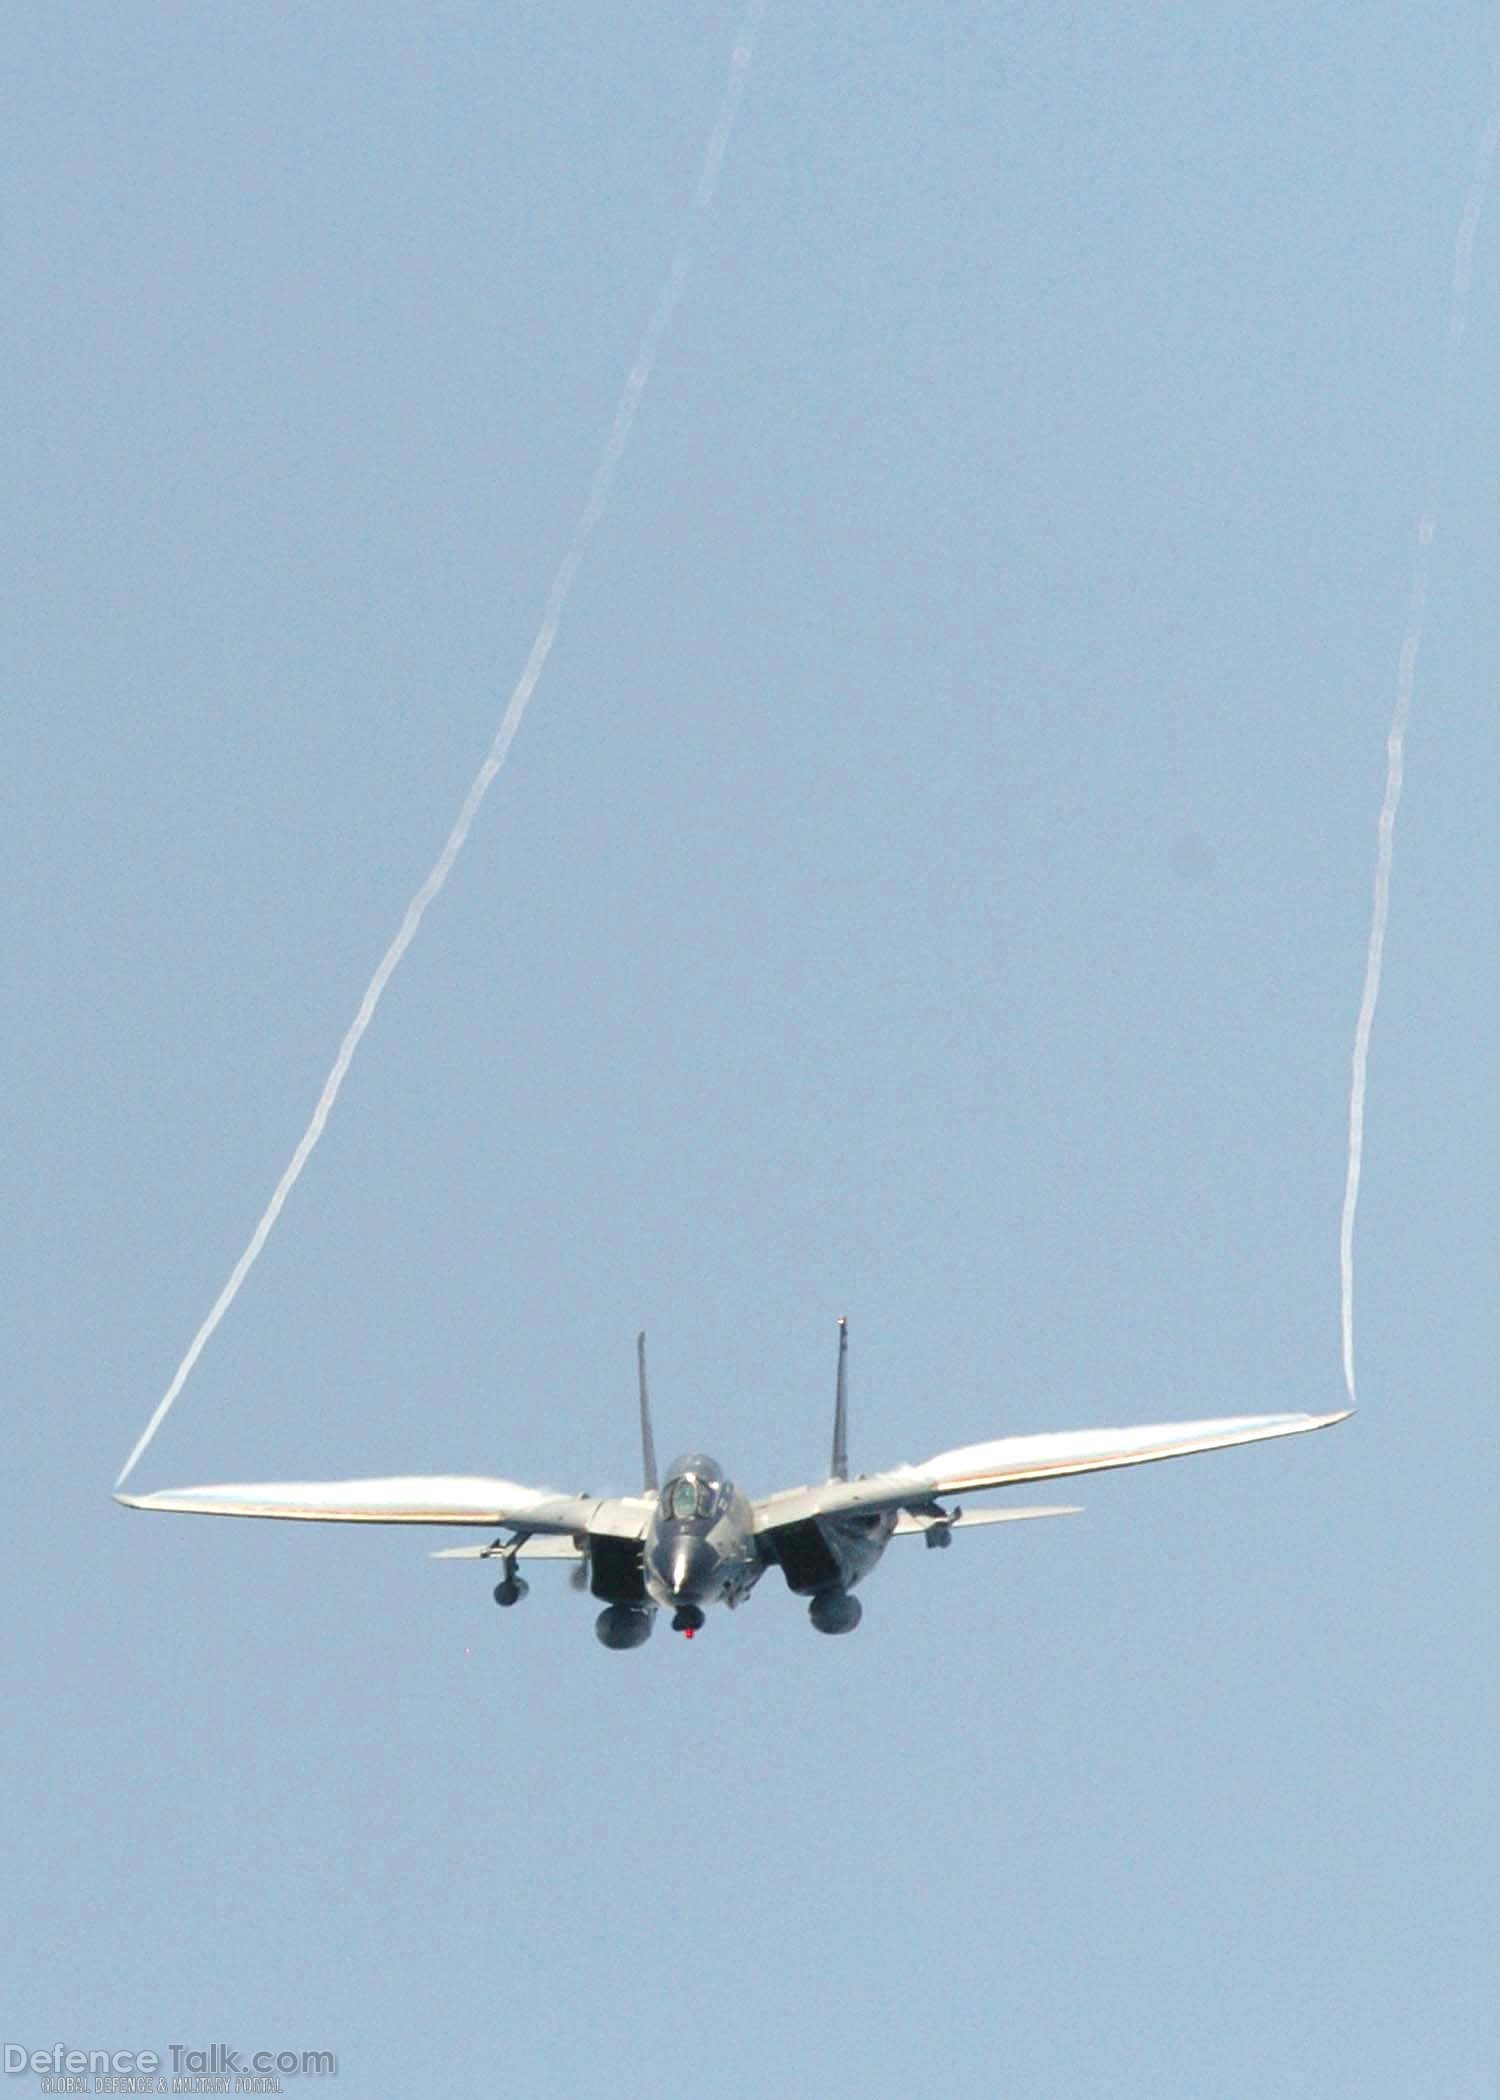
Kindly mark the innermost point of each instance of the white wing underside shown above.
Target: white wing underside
(1009, 1461)
(409, 1499)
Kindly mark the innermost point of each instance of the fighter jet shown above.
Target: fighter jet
(698, 1541)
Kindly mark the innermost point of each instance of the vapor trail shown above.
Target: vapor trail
(1395, 745)
(510, 721)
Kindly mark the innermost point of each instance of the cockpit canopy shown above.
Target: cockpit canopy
(695, 1489)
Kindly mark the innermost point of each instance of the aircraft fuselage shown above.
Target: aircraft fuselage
(701, 1549)
(700, 1546)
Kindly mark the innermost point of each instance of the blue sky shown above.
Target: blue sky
(931, 885)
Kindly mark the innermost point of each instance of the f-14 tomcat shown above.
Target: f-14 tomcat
(698, 1541)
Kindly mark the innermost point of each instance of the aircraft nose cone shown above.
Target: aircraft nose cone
(691, 1565)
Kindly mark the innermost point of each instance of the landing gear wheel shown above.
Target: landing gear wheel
(510, 1591)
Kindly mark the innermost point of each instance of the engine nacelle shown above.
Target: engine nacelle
(835, 1611)
(625, 1625)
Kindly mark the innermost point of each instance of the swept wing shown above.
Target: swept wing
(409, 1499)
(1008, 1461)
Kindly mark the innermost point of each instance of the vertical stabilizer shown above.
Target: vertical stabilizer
(648, 1443)
(841, 1409)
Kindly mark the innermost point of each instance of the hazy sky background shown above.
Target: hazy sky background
(931, 884)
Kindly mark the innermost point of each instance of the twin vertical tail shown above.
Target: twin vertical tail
(840, 1464)
(648, 1442)
(840, 1469)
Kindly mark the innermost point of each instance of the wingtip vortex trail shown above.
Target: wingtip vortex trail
(1406, 671)
(589, 516)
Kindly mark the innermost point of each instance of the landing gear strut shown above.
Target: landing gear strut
(939, 1523)
(510, 1589)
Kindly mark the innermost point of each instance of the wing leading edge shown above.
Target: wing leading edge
(1008, 1461)
(407, 1499)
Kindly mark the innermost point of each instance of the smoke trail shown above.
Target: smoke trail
(1395, 745)
(510, 721)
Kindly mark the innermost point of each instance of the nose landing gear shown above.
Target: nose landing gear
(688, 1619)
